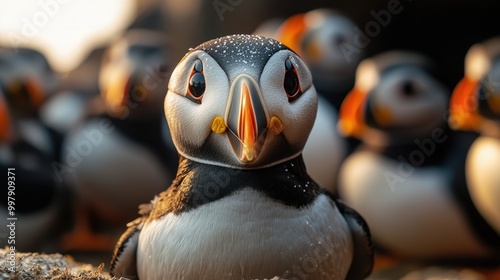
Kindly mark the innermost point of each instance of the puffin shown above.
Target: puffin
(475, 106)
(119, 155)
(242, 205)
(37, 196)
(407, 177)
(324, 39)
(28, 81)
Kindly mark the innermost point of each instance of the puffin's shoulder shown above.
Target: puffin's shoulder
(363, 251)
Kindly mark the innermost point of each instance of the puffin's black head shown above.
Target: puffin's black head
(27, 80)
(243, 101)
(134, 75)
(395, 93)
(322, 38)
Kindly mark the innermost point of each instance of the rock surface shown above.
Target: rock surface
(43, 266)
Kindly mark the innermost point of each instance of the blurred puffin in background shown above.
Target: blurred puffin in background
(322, 38)
(28, 81)
(37, 197)
(475, 105)
(407, 178)
(121, 155)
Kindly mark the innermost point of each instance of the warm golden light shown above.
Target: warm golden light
(65, 31)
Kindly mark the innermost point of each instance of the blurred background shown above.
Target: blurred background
(74, 36)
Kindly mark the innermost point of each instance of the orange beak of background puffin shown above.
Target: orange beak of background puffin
(463, 106)
(118, 90)
(246, 119)
(351, 114)
(291, 32)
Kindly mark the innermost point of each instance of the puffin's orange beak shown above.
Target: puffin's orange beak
(117, 91)
(291, 31)
(351, 114)
(246, 119)
(463, 106)
(247, 125)
(4, 122)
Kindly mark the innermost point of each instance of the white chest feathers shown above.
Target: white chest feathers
(408, 210)
(483, 178)
(247, 236)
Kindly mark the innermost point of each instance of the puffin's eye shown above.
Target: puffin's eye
(408, 89)
(339, 39)
(291, 82)
(196, 86)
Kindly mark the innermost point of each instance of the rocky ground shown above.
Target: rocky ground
(37, 266)
(48, 266)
